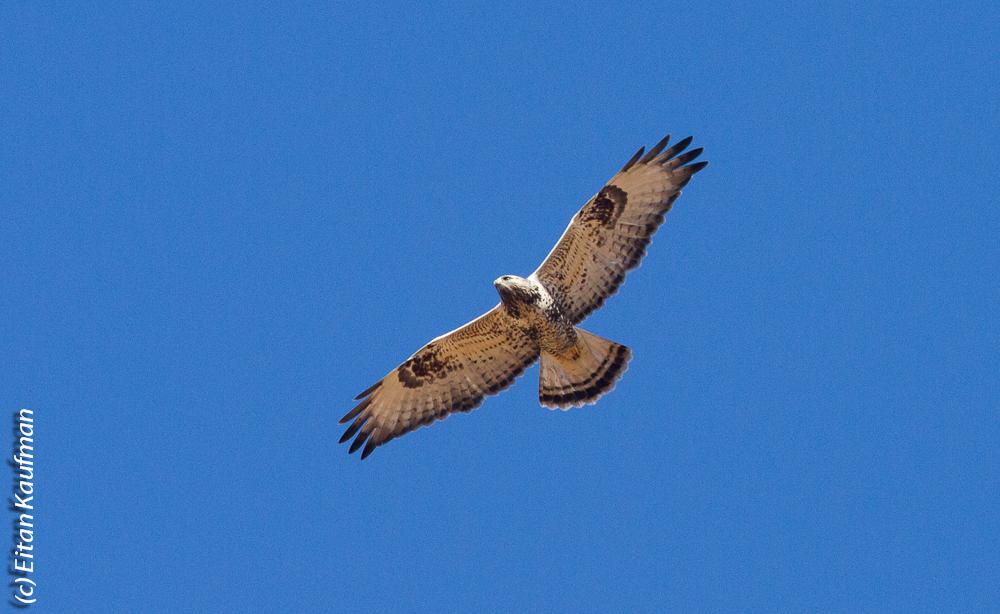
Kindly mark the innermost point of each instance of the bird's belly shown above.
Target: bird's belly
(557, 340)
(552, 336)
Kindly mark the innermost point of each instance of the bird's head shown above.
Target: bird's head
(512, 284)
(516, 291)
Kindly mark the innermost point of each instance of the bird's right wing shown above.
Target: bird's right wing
(451, 373)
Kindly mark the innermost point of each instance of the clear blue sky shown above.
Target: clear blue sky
(219, 225)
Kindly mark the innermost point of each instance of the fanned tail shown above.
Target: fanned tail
(582, 374)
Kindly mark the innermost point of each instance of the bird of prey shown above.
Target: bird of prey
(537, 316)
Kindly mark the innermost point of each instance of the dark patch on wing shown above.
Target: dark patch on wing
(606, 207)
(426, 366)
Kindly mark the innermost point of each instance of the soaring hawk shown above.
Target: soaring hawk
(537, 317)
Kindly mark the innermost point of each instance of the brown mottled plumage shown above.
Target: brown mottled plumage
(536, 316)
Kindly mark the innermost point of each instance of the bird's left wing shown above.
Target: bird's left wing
(609, 235)
(451, 373)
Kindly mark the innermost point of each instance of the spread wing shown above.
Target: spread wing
(451, 373)
(609, 235)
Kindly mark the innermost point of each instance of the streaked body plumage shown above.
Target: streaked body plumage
(530, 307)
(537, 316)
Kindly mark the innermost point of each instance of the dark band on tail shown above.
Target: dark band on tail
(599, 382)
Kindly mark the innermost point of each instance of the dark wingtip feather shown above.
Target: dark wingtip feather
(633, 159)
(697, 166)
(359, 441)
(655, 151)
(360, 407)
(351, 430)
(678, 147)
(369, 447)
(368, 391)
(685, 158)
